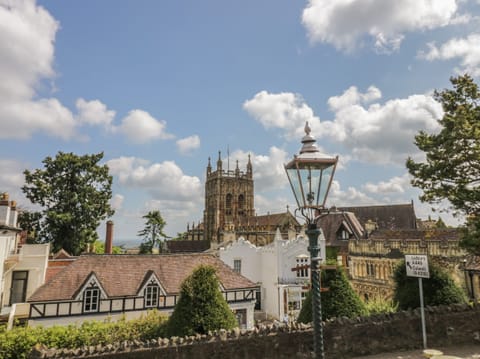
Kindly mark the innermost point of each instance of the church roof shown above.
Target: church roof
(394, 216)
(271, 219)
(122, 275)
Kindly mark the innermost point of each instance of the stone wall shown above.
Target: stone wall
(343, 338)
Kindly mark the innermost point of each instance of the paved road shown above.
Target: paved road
(464, 352)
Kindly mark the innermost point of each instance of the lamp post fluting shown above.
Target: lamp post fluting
(310, 175)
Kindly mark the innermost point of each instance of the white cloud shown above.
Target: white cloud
(285, 110)
(117, 201)
(466, 49)
(379, 133)
(188, 144)
(268, 170)
(94, 112)
(351, 197)
(397, 184)
(345, 23)
(163, 181)
(140, 127)
(27, 36)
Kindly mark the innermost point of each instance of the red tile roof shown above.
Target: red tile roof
(122, 275)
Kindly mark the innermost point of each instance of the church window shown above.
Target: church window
(228, 204)
(237, 265)
(91, 299)
(241, 205)
(151, 295)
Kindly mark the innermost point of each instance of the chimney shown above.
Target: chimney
(109, 238)
(13, 214)
(4, 209)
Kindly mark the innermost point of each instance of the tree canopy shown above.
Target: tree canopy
(152, 233)
(451, 170)
(201, 306)
(438, 289)
(74, 193)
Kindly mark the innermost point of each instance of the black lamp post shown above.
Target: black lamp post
(310, 174)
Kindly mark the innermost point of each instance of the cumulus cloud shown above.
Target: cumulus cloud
(27, 36)
(349, 197)
(188, 144)
(286, 111)
(397, 184)
(380, 133)
(94, 112)
(268, 170)
(140, 127)
(466, 49)
(164, 180)
(346, 23)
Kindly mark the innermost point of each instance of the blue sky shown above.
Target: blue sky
(161, 86)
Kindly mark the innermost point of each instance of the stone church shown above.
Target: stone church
(229, 211)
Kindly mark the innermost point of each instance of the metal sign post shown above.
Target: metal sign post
(417, 266)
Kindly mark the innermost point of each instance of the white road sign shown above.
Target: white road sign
(417, 266)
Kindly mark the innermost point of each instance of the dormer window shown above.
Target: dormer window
(91, 299)
(343, 235)
(151, 293)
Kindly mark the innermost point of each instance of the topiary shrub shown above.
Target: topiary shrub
(339, 300)
(438, 289)
(201, 307)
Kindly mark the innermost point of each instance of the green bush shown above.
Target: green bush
(338, 301)
(201, 306)
(379, 305)
(18, 342)
(438, 289)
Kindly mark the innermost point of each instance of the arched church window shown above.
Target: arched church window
(241, 204)
(228, 204)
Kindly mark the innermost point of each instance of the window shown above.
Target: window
(91, 298)
(343, 235)
(237, 265)
(18, 292)
(228, 204)
(241, 205)
(151, 295)
(302, 267)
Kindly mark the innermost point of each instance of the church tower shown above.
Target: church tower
(228, 199)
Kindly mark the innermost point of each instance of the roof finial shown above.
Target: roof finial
(307, 128)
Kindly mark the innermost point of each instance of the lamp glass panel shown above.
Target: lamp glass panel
(324, 184)
(292, 174)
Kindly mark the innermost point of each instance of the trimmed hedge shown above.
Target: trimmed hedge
(18, 342)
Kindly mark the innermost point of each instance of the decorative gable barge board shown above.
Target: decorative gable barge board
(52, 309)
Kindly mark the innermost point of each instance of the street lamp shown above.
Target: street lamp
(310, 174)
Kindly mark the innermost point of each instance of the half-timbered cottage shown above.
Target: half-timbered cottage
(96, 287)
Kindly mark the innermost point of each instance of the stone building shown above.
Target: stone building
(372, 260)
(229, 211)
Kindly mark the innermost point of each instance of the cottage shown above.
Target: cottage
(96, 287)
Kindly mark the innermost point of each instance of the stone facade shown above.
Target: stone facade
(372, 260)
(228, 198)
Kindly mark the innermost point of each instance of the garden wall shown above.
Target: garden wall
(343, 338)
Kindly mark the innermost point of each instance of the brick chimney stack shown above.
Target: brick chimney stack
(109, 238)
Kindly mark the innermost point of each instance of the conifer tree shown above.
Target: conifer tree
(438, 289)
(201, 307)
(339, 300)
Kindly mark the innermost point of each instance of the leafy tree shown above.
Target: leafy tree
(74, 192)
(201, 307)
(153, 232)
(339, 300)
(438, 289)
(452, 167)
(30, 223)
(99, 248)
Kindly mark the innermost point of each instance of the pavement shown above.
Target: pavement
(453, 352)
